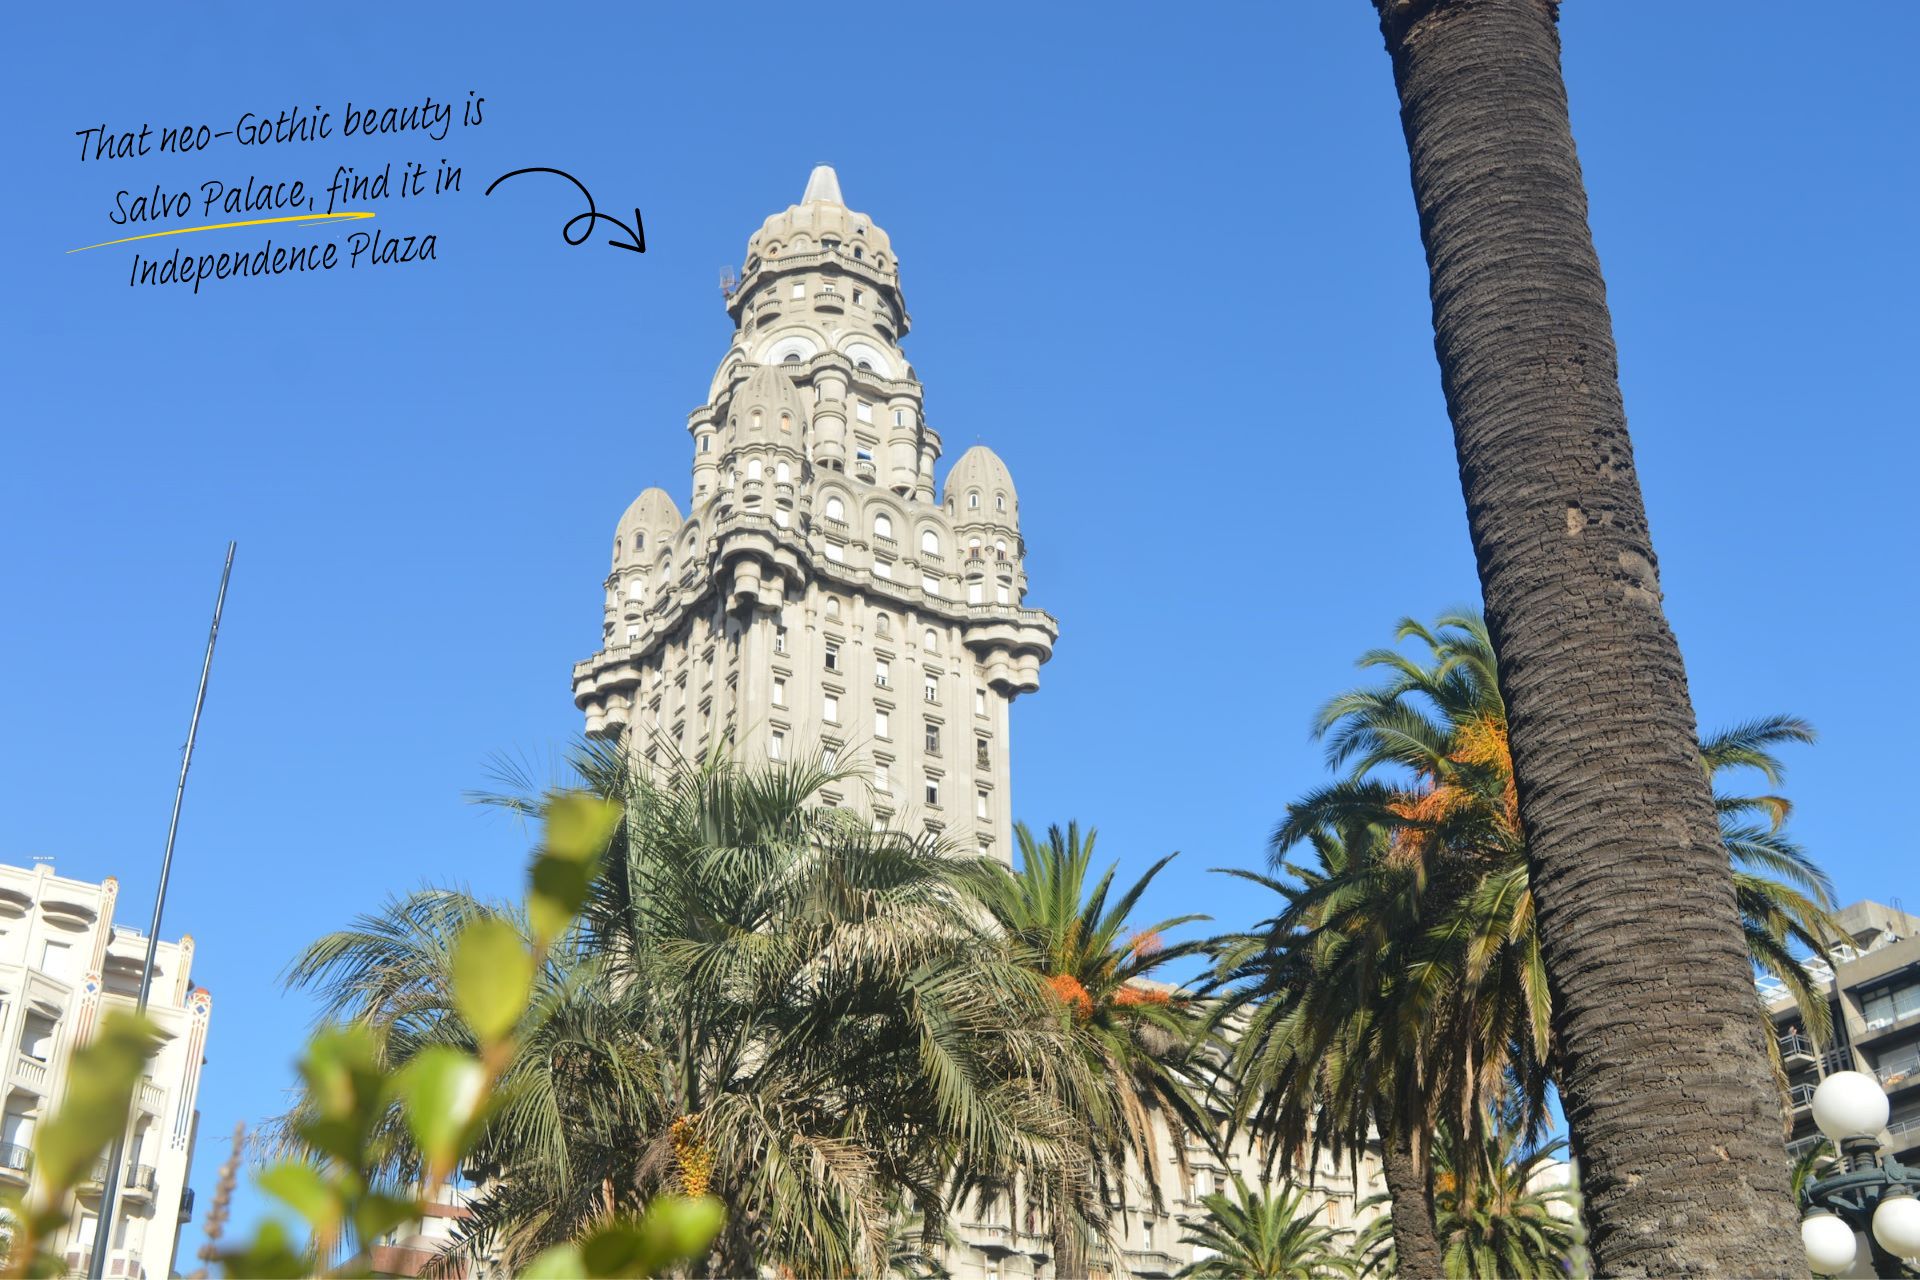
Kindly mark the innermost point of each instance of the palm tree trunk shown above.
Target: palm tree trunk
(1069, 1239)
(1416, 1240)
(1666, 1084)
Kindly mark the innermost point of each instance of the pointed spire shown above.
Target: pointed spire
(823, 186)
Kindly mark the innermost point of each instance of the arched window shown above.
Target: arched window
(756, 419)
(639, 541)
(862, 364)
(930, 641)
(833, 606)
(836, 509)
(792, 357)
(973, 544)
(999, 502)
(882, 526)
(635, 588)
(973, 499)
(857, 253)
(782, 472)
(882, 624)
(786, 422)
(753, 468)
(930, 542)
(999, 549)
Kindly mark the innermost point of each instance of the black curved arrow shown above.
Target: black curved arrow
(636, 241)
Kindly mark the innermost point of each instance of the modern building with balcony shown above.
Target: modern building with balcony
(63, 964)
(1871, 983)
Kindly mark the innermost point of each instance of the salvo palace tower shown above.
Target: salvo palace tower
(822, 591)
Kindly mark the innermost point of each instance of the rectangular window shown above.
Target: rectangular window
(830, 757)
(899, 417)
(975, 593)
(933, 738)
(979, 804)
(857, 296)
(706, 444)
(981, 758)
(833, 657)
(979, 702)
(933, 791)
(833, 708)
(883, 569)
(1003, 594)
(931, 690)
(863, 411)
(881, 669)
(881, 725)
(863, 455)
(799, 289)
(930, 584)
(882, 782)
(836, 553)
(779, 693)
(776, 744)
(779, 639)
(633, 633)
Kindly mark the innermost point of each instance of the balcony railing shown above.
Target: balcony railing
(15, 1159)
(1793, 1043)
(152, 1097)
(1801, 1146)
(1904, 1072)
(31, 1073)
(1801, 1095)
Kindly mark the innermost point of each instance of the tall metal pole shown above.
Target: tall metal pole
(103, 1228)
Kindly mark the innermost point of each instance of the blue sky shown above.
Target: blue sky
(1167, 267)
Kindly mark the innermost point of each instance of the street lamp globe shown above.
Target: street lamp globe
(1896, 1224)
(1828, 1241)
(1850, 1104)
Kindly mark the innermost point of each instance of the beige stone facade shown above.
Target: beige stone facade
(63, 964)
(821, 593)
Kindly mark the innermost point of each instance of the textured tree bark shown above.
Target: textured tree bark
(1416, 1240)
(1069, 1237)
(1666, 1082)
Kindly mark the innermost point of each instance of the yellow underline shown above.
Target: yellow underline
(222, 226)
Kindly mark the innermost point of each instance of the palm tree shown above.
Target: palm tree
(1427, 754)
(1138, 1051)
(1509, 1220)
(1341, 1032)
(1413, 935)
(1619, 823)
(764, 1000)
(1260, 1234)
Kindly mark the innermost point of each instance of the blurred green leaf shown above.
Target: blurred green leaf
(270, 1255)
(348, 1088)
(578, 828)
(579, 825)
(99, 1094)
(677, 1228)
(492, 978)
(562, 1262)
(306, 1191)
(443, 1089)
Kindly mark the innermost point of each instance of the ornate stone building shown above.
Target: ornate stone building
(821, 592)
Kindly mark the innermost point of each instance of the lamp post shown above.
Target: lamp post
(1871, 1195)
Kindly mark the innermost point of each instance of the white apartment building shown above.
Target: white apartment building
(63, 964)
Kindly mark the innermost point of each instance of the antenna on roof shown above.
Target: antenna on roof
(728, 282)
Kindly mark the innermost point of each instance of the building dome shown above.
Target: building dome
(769, 391)
(822, 214)
(648, 525)
(979, 474)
